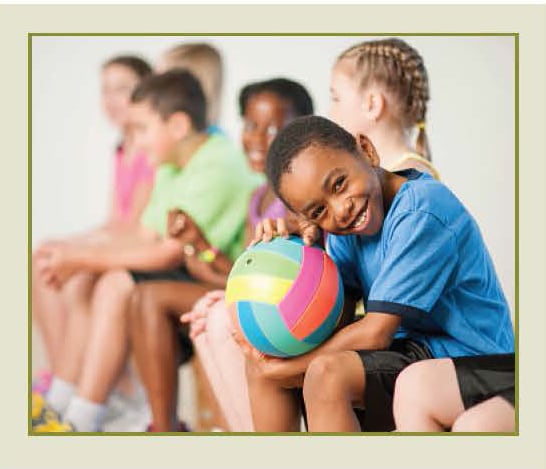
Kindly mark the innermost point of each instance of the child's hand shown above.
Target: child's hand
(181, 226)
(267, 229)
(197, 317)
(55, 263)
(286, 370)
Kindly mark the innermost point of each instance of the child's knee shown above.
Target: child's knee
(219, 325)
(115, 284)
(323, 379)
(78, 289)
(468, 421)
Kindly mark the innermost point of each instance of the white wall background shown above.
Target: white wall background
(470, 120)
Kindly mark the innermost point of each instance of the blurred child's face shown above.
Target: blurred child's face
(118, 83)
(265, 115)
(346, 99)
(151, 133)
(338, 191)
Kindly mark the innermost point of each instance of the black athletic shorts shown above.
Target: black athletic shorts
(382, 367)
(175, 275)
(481, 377)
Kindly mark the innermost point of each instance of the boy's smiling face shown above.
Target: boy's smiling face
(338, 191)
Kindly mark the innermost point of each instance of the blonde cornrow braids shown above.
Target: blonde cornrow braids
(396, 65)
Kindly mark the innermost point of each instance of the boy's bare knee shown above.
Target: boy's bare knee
(323, 379)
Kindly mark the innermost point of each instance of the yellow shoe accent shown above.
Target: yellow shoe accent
(54, 426)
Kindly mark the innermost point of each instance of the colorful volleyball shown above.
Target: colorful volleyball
(285, 297)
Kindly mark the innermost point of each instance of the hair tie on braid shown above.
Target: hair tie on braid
(421, 125)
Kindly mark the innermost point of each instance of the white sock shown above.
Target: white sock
(59, 394)
(86, 416)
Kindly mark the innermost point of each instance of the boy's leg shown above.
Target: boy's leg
(154, 325)
(493, 415)
(372, 372)
(427, 397)
(275, 407)
(334, 384)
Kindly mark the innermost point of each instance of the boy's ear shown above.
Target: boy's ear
(368, 149)
(179, 124)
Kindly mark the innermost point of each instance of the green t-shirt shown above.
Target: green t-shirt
(213, 188)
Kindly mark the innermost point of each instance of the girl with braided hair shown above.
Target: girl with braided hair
(380, 88)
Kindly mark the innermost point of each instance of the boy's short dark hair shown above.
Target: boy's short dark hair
(174, 91)
(293, 92)
(300, 134)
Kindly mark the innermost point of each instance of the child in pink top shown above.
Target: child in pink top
(132, 186)
(129, 174)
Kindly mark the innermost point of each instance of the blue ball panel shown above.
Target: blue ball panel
(253, 332)
(274, 329)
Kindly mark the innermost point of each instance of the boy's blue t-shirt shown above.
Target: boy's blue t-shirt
(429, 264)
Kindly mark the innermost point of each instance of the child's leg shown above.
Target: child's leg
(427, 397)
(108, 337)
(224, 365)
(493, 415)
(76, 295)
(333, 386)
(275, 407)
(105, 352)
(154, 325)
(50, 315)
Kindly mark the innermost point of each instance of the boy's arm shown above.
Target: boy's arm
(374, 332)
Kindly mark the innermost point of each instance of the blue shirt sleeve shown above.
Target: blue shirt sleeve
(340, 250)
(420, 254)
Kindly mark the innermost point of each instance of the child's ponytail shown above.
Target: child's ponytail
(421, 143)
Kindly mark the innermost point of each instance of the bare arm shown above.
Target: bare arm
(157, 255)
(374, 332)
(56, 263)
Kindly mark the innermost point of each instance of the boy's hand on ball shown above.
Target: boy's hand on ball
(267, 229)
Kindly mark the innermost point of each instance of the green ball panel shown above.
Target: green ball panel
(267, 263)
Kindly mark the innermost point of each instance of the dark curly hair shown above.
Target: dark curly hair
(298, 135)
(291, 91)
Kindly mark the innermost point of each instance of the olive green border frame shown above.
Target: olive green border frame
(30, 432)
